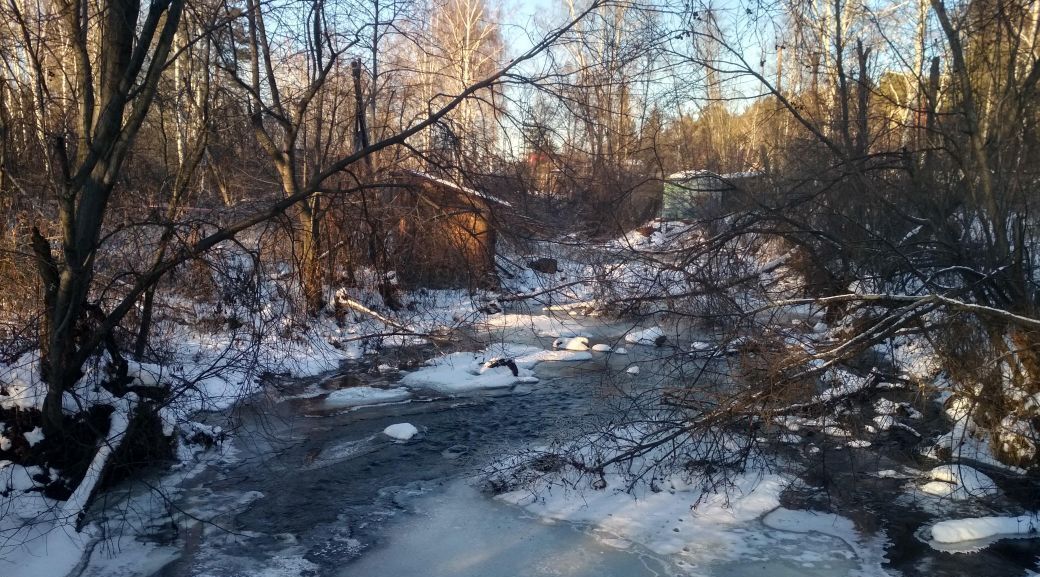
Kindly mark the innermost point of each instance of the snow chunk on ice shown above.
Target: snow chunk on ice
(531, 359)
(361, 396)
(958, 482)
(958, 530)
(468, 371)
(34, 436)
(858, 444)
(601, 348)
(649, 336)
(573, 344)
(633, 370)
(621, 351)
(401, 431)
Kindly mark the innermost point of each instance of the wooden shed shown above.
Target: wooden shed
(443, 233)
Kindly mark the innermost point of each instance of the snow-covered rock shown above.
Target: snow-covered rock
(401, 431)
(601, 348)
(650, 336)
(836, 432)
(633, 370)
(469, 371)
(361, 396)
(531, 359)
(621, 351)
(958, 482)
(958, 530)
(572, 344)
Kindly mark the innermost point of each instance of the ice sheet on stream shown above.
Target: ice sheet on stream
(613, 535)
(743, 533)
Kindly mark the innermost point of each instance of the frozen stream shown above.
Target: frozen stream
(312, 491)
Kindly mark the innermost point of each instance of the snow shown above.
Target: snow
(836, 432)
(971, 529)
(468, 371)
(845, 384)
(958, 408)
(645, 337)
(688, 174)
(24, 388)
(885, 407)
(916, 357)
(958, 482)
(459, 187)
(34, 436)
(633, 370)
(401, 431)
(664, 522)
(461, 372)
(601, 348)
(40, 536)
(892, 474)
(531, 359)
(621, 351)
(795, 423)
(47, 551)
(118, 423)
(573, 344)
(362, 396)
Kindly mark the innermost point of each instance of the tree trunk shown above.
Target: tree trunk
(311, 273)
